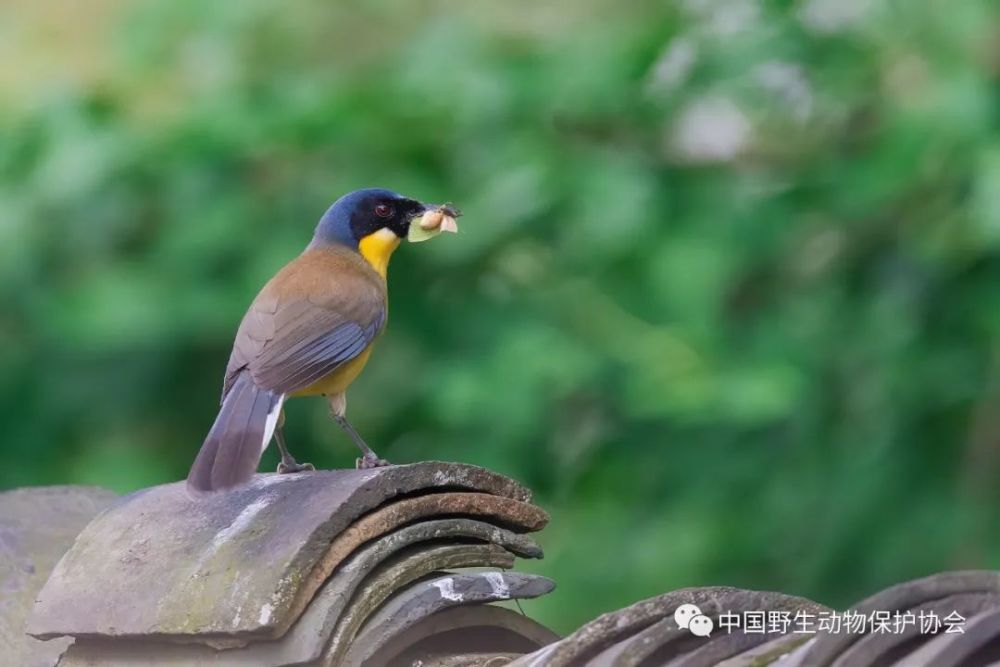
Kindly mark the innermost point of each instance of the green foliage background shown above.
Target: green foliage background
(777, 367)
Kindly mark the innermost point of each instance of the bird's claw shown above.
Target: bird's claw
(369, 461)
(293, 466)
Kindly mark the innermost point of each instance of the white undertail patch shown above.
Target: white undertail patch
(272, 422)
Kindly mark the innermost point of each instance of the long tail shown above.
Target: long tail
(239, 436)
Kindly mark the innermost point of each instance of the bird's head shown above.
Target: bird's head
(373, 221)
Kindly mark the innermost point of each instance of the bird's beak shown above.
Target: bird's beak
(434, 220)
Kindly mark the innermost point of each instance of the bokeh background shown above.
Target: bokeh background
(726, 294)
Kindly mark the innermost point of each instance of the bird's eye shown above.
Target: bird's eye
(383, 210)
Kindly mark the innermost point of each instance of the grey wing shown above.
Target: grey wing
(300, 342)
(289, 368)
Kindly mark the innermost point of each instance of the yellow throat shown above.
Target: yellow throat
(377, 247)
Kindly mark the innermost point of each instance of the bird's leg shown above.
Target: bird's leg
(288, 463)
(369, 459)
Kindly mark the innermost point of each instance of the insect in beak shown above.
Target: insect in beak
(433, 221)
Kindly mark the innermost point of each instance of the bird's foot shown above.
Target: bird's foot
(369, 461)
(288, 467)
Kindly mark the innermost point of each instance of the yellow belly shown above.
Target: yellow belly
(337, 381)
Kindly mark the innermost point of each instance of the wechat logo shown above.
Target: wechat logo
(689, 616)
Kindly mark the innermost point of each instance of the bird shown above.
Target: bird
(310, 331)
